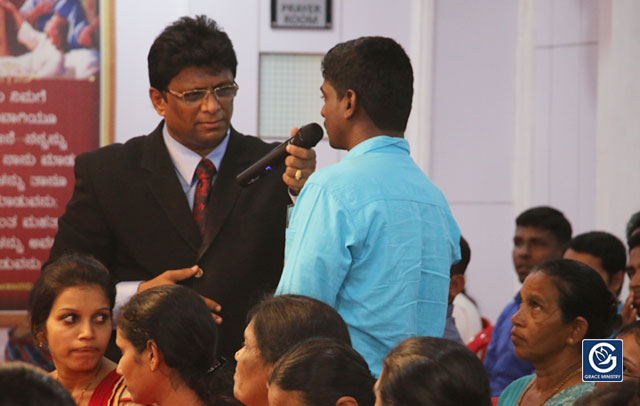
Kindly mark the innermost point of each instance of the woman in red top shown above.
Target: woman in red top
(71, 307)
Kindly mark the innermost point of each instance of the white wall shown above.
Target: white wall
(618, 135)
(472, 136)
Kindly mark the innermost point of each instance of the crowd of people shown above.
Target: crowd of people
(165, 284)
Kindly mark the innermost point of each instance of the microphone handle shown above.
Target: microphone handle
(264, 165)
(306, 137)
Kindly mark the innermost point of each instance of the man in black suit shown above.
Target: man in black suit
(132, 203)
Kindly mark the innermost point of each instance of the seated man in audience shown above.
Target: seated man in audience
(631, 305)
(542, 234)
(463, 319)
(603, 252)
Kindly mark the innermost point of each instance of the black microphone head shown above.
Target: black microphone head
(308, 136)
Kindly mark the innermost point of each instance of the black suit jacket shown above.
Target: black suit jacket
(130, 212)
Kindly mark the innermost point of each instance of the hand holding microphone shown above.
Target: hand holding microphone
(301, 159)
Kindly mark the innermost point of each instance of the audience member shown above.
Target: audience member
(372, 236)
(229, 250)
(563, 302)
(21, 346)
(542, 234)
(625, 393)
(321, 372)
(22, 384)
(632, 304)
(275, 325)
(633, 225)
(604, 253)
(630, 336)
(71, 307)
(462, 312)
(169, 342)
(426, 371)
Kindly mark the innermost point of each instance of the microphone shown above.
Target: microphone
(306, 137)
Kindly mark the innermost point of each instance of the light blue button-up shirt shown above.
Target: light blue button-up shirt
(373, 237)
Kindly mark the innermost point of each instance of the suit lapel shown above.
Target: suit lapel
(225, 189)
(165, 187)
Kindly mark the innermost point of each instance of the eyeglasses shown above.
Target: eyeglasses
(223, 93)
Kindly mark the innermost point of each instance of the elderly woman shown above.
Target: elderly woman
(71, 308)
(321, 372)
(563, 302)
(425, 371)
(168, 340)
(275, 325)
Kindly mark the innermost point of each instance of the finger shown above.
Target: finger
(306, 154)
(296, 163)
(298, 174)
(216, 319)
(182, 274)
(294, 131)
(292, 182)
(212, 305)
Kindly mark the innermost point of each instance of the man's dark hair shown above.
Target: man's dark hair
(424, 371)
(25, 385)
(634, 241)
(189, 42)
(606, 247)
(280, 322)
(379, 71)
(633, 224)
(549, 219)
(582, 293)
(465, 253)
(324, 370)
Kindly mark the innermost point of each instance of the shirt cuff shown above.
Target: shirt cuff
(292, 195)
(124, 291)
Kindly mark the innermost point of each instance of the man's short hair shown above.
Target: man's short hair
(634, 241)
(189, 42)
(379, 71)
(465, 253)
(633, 224)
(549, 219)
(606, 247)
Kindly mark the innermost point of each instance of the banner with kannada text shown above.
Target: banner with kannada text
(50, 111)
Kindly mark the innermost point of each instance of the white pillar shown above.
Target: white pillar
(418, 132)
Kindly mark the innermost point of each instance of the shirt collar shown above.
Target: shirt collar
(185, 160)
(400, 145)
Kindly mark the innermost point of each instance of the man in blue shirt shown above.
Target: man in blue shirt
(372, 236)
(542, 234)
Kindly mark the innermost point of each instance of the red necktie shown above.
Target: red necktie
(205, 171)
